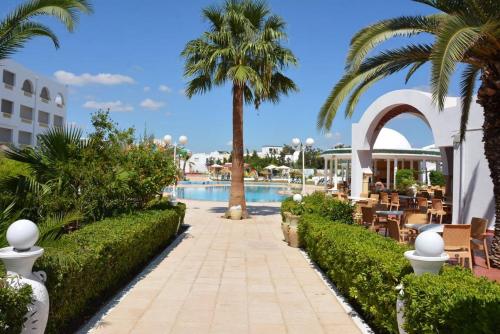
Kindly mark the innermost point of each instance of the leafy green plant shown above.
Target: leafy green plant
(364, 266)
(405, 179)
(437, 178)
(104, 255)
(13, 307)
(453, 302)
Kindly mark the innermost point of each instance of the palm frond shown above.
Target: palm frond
(53, 226)
(453, 42)
(368, 38)
(413, 69)
(467, 93)
(20, 34)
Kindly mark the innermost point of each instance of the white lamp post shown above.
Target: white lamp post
(167, 139)
(297, 145)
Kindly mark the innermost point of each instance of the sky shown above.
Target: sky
(126, 56)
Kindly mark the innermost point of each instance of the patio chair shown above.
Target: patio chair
(457, 242)
(437, 209)
(415, 217)
(422, 204)
(401, 235)
(374, 198)
(438, 194)
(370, 220)
(384, 199)
(478, 238)
(394, 201)
(424, 193)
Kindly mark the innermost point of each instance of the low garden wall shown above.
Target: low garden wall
(367, 268)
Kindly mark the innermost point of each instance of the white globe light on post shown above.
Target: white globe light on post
(167, 139)
(297, 144)
(309, 142)
(183, 140)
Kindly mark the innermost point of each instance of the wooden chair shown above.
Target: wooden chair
(401, 235)
(438, 194)
(478, 238)
(437, 209)
(394, 201)
(370, 220)
(457, 242)
(422, 204)
(415, 217)
(384, 199)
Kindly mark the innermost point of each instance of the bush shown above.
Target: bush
(320, 203)
(437, 178)
(405, 179)
(13, 307)
(365, 267)
(88, 266)
(453, 302)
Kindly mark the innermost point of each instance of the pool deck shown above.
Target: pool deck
(229, 277)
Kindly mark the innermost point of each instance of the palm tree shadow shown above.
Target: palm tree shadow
(253, 210)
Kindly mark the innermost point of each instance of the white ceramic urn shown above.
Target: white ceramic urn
(18, 259)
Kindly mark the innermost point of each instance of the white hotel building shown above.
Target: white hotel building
(30, 104)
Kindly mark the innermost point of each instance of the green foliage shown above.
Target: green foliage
(319, 203)
(364, 266)
(13, 307)
(102, 176)
(437, 178)
(453, 302)
(18, 27)
(405, 179)
(103, 257)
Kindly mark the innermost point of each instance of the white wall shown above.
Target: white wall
(16, 95)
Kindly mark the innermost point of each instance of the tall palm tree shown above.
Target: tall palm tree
(464, 31)
(243, 47)
(18, 27)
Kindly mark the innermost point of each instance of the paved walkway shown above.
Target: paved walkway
(230, 277)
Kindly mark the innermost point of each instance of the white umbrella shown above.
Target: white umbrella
(216, 166)
(283, 167)
(271, 167)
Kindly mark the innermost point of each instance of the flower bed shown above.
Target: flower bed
(367, 267)
(88, 266)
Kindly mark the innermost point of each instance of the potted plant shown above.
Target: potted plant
(293, 219)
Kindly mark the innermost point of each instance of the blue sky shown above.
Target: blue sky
(139, 43)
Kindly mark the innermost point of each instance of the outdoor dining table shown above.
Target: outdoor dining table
(438, 228)
(357, 198)
(389, 213)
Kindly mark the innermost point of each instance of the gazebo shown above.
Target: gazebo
(391, 151)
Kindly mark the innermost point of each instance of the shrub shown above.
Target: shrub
(13, 307)
(405, 179)
(453, 302)
(318, 202)
(88, 266)
(365, 267)
(437, 178)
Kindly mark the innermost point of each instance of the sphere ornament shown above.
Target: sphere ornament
(183, 140)
(295, 142)
(167, 139)
(429, 244)
(309, 142)
(22, 234)
(297, 198)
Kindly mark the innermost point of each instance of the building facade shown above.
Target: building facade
(30, 104)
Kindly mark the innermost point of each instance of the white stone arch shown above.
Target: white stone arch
(443, 124)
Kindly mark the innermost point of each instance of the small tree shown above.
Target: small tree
(405, 179)
(437, 178)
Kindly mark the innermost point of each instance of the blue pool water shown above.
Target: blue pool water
(253, 193)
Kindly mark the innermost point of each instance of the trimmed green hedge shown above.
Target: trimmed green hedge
(13, 307)
(367, 267)
(88, 266)
(320, 203)
(453, 302)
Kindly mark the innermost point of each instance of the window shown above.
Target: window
(26, 113)
(59, 100)
(9, 78)
(5, 136)
(24, 138)
(27, 87)
(45, 94)
(7, 107)
(58, 121)
(43, 117)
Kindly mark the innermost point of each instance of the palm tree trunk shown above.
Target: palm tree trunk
(489, 98)
(237, 196)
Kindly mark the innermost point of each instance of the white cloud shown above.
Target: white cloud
(152, 104)
(147, 88)
(109, 79)
(111, 105)
(335, 136)
(164, 89)
(229, 143)
(182, 92)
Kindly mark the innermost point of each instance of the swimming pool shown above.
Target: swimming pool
(253, 193)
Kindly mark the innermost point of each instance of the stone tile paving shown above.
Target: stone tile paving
(230, 277)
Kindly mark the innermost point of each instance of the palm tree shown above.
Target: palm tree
(18, 27)
(243, 47)
(464, 31)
